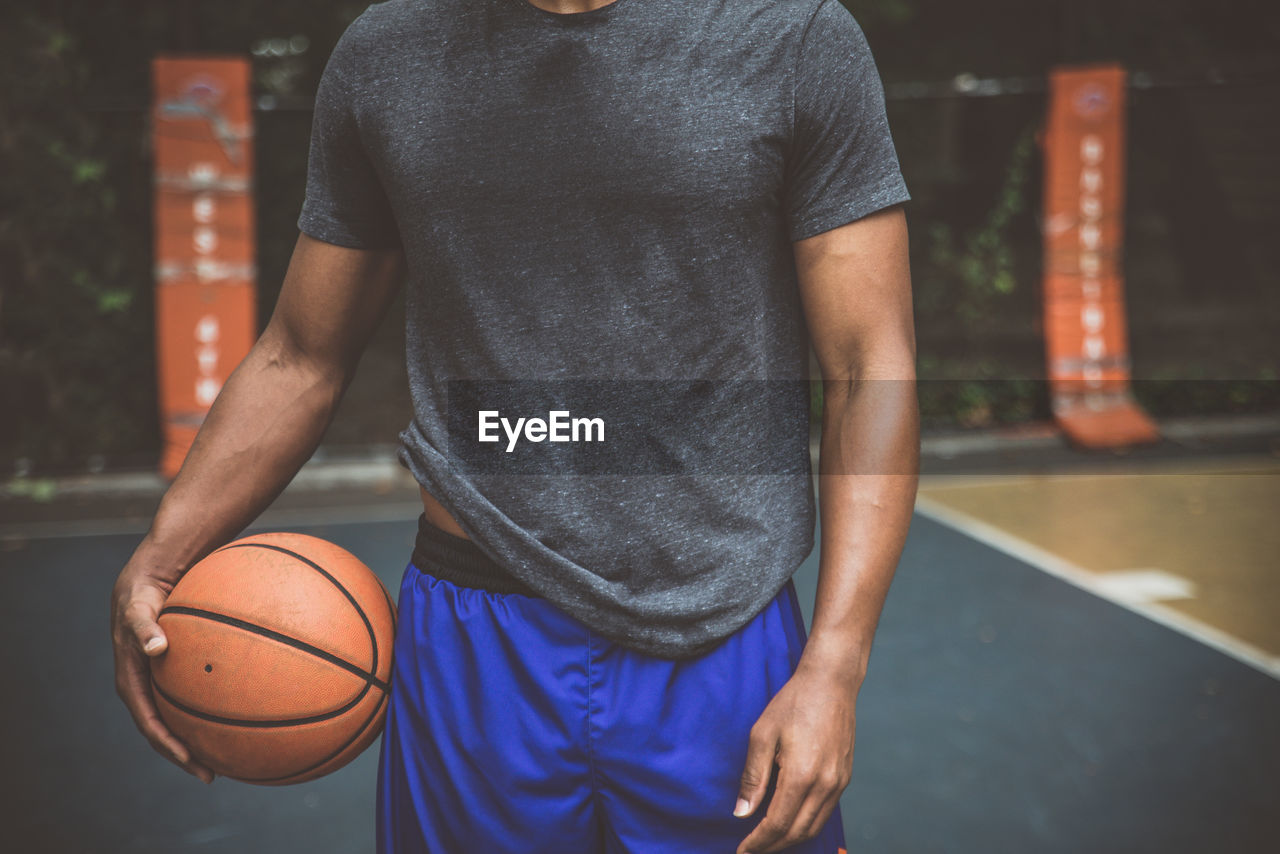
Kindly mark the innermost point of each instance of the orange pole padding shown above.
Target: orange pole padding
(1084, 309)
(202, 130)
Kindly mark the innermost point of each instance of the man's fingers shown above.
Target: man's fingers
(813, 813)
(136, 637)
(762, 746)
(135, 690)
(793, 788)
(140, 617)
(133, 686)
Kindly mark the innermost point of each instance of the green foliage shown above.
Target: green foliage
(1181, 395)
(41, 489)
(981, 263)
(75, 363)
(76, 317)
(889, 12)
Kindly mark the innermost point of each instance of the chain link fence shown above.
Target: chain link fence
(76, 356)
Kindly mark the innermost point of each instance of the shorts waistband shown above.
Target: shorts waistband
(460, 561)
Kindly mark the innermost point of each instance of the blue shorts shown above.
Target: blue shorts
(513, 727)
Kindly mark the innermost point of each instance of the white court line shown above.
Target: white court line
(1252, 465)
(981, 531)
(1046, 561)
(1146, 585)
(355, 514)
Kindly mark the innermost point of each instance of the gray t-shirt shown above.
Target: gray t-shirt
(597, 212)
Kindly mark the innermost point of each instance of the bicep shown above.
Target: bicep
(332, 299)
(855, 287)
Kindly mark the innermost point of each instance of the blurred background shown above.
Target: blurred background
(966, 88)
(1081, 650)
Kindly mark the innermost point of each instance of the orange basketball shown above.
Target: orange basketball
(279, 658)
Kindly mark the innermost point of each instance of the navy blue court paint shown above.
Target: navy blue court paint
(1005, 710)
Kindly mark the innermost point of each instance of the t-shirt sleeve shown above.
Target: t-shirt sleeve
(345, 202)
(842, 162)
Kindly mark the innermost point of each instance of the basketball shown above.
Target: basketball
(279, 658)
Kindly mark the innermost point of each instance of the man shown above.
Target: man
(640, 212)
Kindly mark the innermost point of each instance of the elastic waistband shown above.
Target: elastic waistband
(459, 561)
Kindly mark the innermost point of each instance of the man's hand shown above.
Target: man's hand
(265, 423)
(807, 730)
(855, 284)
(136, 601)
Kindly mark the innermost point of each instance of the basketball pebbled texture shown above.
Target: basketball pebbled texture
(279, 658)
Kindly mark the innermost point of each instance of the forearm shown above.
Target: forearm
(265, 424)
(868, 473)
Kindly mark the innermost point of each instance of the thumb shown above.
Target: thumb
(141, 617)
(761, 750)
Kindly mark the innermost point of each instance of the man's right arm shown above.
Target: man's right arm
(265, 424)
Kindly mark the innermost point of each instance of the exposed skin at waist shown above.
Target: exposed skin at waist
(438, 516)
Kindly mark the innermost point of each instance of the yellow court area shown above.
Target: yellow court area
(1193, 543)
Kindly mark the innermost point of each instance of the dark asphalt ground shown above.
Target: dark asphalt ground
(1004, 711)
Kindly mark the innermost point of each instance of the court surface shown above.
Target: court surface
(1010, 706)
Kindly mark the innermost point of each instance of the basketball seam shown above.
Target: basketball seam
(270, 724)
(359, 733)
(263, 631)
(369, 677)
(373, 637)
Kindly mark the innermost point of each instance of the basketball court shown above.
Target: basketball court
(1069, 660)
(1080, 650)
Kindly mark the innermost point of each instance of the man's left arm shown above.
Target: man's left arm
(855, 283)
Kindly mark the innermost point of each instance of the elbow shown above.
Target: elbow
(888, 358)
